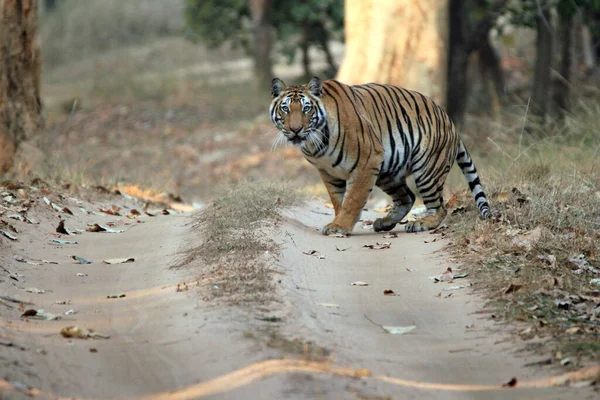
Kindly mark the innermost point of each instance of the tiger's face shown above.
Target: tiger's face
(298, 112)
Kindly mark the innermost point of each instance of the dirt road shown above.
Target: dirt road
(167, 342)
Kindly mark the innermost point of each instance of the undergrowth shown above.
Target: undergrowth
(235, 248)
(539, 260)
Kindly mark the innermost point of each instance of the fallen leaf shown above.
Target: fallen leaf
(61, 228)
(399, 330)
(114, 210)
(410, 269)
(328, 305)
(41, 314)
(446, 276)
(454, 288)
(344, 249)
(511, 383)
(565, 361)
(77, 332)
(359, 283)
(35, 290)
(23, 260)
(118, 260)
(29, 313)
(378, 246)
(389, 292)
(385, 209)
(81, 274)
(327, 205)
(100, 228)
(70, 312)
(512, 288)
(67, 211)
(115, 296)
(81, 260)
(461, 275)
(8, 235)
(574, 330)
(60, 241)
(392, 235)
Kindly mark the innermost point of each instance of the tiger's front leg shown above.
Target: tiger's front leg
(336, 188)
(359, 186)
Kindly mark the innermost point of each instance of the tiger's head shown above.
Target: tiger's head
(297, 111)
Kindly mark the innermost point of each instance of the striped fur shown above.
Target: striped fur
(366, 135)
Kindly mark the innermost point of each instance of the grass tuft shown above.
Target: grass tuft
(235, 244)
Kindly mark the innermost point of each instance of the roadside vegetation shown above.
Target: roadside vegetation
(538, 262)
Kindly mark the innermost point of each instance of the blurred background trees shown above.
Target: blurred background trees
(479, 58)
(266, 28)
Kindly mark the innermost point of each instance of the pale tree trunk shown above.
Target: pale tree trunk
(20, 66)
(404, 43)
(262, 41)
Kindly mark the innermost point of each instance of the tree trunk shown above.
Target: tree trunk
(323, 40)
(50, 5)
(20, 67)
(491, 75)
(304, 46)
(587, 49)
(562, 91)
(399, 42)
(262, 41)
(543, 65)
(457, 62)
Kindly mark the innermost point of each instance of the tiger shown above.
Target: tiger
(363, 136)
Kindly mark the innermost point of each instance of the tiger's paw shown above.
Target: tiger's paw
(383, 224)
(335, 229)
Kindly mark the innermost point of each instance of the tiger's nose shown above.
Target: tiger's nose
(296, 130)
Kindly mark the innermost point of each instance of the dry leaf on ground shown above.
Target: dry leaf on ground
(81, 260)
(118, 260)
(344, 249)
(100, 228)
(314, 253)
(399, 330)
(378, 246)
(79, 333)
(359, 283)
(389, 292)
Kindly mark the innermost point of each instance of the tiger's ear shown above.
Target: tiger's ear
(315, 86)
(277, 86)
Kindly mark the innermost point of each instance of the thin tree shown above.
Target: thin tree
(21, 120)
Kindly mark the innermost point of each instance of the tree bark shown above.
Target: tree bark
(562, 91)
(404, 43)
(491, 75)
(543, 65)
(21, 120)
(262, 42)
(305, 46)
(457, 62)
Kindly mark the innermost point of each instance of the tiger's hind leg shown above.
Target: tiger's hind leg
(430, 189)
(403, 200)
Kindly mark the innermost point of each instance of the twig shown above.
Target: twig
(374, 323)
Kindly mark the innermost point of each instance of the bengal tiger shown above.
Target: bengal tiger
(366, 135)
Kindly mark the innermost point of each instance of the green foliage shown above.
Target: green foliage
(523, 12)
(296, 22)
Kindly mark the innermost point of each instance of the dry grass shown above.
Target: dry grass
(235, 248)
(537, 262)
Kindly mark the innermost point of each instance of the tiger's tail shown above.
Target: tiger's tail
(465, 162)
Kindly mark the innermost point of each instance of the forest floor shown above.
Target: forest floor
(138, 311)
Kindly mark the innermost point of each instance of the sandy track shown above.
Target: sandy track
(163, 340)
